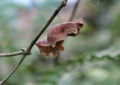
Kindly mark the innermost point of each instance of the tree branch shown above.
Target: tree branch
(21, 52)
(35, 39)
(74, 10)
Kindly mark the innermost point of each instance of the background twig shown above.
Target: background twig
(35, 39)
(74, 10)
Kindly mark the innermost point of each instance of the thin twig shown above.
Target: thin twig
(74, 10)
(35, 39)
(12, 54)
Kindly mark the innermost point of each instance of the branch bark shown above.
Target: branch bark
(27, 51)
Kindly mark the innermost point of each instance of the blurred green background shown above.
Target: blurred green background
(91, 58)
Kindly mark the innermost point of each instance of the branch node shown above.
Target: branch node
(64, 2)
(25, 52)
(23, 49)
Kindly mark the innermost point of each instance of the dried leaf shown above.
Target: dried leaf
(60, 31)
(47, 49)
(56, 36)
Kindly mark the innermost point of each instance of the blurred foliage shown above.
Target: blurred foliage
(91, 58)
